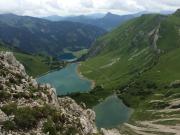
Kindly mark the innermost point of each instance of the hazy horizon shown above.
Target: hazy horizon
(98, 14)
(42, 8)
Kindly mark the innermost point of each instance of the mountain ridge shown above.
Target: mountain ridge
(36, 35)
(137, 36)
(109, 21)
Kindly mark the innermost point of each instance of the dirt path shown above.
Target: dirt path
(165, 110)
(149, 126)
(138, 130)
(160, 120)
(162, 128)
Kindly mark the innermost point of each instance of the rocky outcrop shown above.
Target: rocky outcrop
(177, 13)
(110, 132)
(71, 111)
(153, 37)
(3, 116)
(175, 84)
(27, 107)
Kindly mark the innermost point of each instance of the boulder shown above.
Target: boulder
(175, 84)
(3, 116)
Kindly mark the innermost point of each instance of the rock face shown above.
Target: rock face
(153, 38)
(175, 84)
(71, 111)
(177, 13)
(27, 107)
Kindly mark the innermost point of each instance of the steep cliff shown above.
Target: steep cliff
(27, 107)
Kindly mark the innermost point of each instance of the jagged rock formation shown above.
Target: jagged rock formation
(27, 107)
(154, 36)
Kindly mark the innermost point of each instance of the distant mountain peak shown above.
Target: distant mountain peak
(109, 14)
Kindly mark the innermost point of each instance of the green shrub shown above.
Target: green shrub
(43, 112)
(9, 108)
(160, 105)
(25, 118)
(32, 89)
(1, 87)
(151, 85)
(4, 95)
(9, 125)
(72, 131)
(49, 127)
(56, 117)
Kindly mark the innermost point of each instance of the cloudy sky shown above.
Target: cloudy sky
(75, 7)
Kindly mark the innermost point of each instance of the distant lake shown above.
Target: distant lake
(111, 112)
(67, 57)
(66, 80)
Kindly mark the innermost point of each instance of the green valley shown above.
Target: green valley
(139, 61)
(89, 67)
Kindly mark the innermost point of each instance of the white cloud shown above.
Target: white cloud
(67, 7)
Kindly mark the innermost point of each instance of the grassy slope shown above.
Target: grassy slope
(34, 64)
(134, 57)
(77, 54)
(162, 74)
(127, 49)
(148, 84)
(167, 69)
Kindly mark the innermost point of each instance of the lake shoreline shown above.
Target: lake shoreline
(83, 77)
(112, 105)
(58, 79)
(54, 70)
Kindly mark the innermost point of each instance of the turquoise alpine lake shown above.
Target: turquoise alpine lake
(66, 80)
(111, 112)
